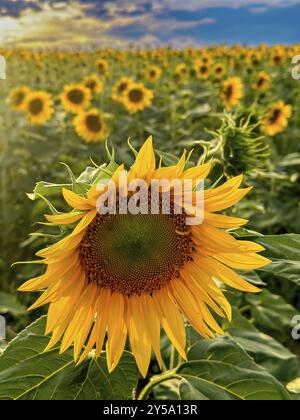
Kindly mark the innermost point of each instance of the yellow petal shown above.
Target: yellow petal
(152, 324)
(76, 201)
(225, 201)
(171, 320)
(116, 330)
(225, 274)
(144, 165)
(138, 336)
(197, 173)
(171, 172)
(224, 222)
(190, 308)
(64, 218)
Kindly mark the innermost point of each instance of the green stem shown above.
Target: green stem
(156, 381)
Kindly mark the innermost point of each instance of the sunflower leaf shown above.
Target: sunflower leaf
(220, 369)
(26, 373)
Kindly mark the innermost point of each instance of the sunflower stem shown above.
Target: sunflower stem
(173, 358)
(171, 374)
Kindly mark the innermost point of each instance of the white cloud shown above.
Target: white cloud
(70, 24)
(193, 5)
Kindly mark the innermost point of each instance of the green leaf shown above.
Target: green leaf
(271, 311)
(189, 392)
(26, 373)
(284, 251)
(267, 352)
(46, 189)
(221, 370)
(9, 304)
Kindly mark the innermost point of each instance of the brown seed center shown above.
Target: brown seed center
(76, 96)
(93, 123)
(135, 254)
(36, 106)
(136, 95)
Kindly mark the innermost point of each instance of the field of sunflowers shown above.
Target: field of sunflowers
(127, 308)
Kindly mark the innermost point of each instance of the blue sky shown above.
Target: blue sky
(116, 23)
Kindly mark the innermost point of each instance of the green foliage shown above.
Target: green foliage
(26, 373)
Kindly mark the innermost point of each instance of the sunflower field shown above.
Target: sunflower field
(146, 307)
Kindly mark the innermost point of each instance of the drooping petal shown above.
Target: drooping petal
(138, 335)
(171, 320)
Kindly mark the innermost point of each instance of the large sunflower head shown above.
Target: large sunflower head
(120, 87)
(137, 97)
(90, 126)
(93, 83)
(17, 98)
(127, 275)
(75, 98)
(232, 92)
(38, 107)
(276, 119)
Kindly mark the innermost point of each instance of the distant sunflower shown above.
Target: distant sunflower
(206, 59)
(93, 83)
(102, 66)
(232, 92)
(120, 88)
(276, 119)
(137, 97)
(153, 74)
(17, 98)
(90, 126)
(75, 98)
(38, 107)
(277, 56)
(262, 81)
(202, 69)
(181, 69)
(125, 275)
(218, 71)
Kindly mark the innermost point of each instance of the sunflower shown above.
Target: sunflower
(102, 66)
(202, 69)
(75, 98)
(262, 81)
(17, 98)
(90, 126)
(137, 97)
(120, 88)
(276, 119)
(277, 56)
(93, 83)
(153, 74)
(218, 71)
(125, 275)
(38, 107)
(181, 69)
(232, 92)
